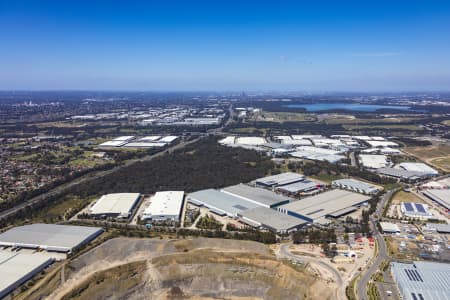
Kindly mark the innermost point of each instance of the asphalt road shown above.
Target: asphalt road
(382, 249)
(86, 178)
(340, 293)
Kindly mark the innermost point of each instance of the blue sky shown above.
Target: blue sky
(225, 45)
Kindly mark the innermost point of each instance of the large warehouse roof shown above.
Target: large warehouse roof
(418, 167)
(63, 238)
(400, 173)
(322, 205)
(168, 139)
(440, 196)
(356, 185)
(373, 161)
(168, 203)
(120, 204)
(422, 280)
(256, 195)
(280, 179)
(271, 219)
(315, 153)
(220, 202)
(298, 187)
(251, 140)
(125, 138)
(16, 268)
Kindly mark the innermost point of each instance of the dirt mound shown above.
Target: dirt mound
(187, 269)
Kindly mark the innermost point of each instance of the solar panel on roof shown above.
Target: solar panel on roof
(409, 275)
(409, 207)
(418, 276)
(420, 208)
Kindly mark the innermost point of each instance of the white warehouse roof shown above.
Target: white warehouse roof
(165, 205)
(62, 238)
(389, 227)
(280, 179)
(422, 280)
(254, 141)
(124, 138)
(373, 161)
(113, 144)
(118, 204)
(378, 144)
(418, 167)
(168, 139)
(16, 268)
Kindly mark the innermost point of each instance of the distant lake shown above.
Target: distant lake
(346, 106)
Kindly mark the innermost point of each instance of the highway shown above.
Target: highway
(86, 178)
(340, 293)
(382, 249)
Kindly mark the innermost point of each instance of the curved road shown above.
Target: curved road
(340, 292)
(382, 249)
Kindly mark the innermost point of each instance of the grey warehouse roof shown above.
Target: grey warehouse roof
(49, 236)
(16, 268)
(324, 204)
(400, 173)
(422, 280)
(257, 195)
(280, 179)
(356, 184)
(271, 218)
(440, 196)
(442, 228)
(220, 202)
(299, 186)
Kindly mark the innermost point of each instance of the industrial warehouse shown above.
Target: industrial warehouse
(279, 179)
(315, 209)
(271, 219)
(442, 197)
(154, 141)
(49, 237)
(258, 196)
(289, 183)
(422, 280)
(415, 210)
(27, 250)
(300, 188)
(356, 186)
(119, 205)
(165, 206)
(17, 268)
(220, 203)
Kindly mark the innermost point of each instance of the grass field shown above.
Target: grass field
(437, 155)
(347, 120)
(443, 162)
(286, 117)
(402, 196)
(58, 211)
